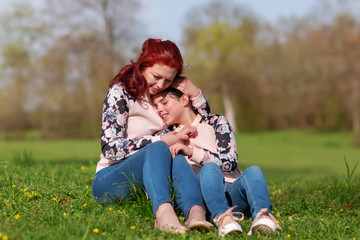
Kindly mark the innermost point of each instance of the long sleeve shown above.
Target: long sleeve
(201, 104)
(114, 142)
(226, 144)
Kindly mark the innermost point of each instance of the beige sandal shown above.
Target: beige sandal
(198, 224)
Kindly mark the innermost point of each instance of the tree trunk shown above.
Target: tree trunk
(229, 108)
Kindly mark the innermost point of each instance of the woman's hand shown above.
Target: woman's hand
(182, 149)
(186, 86)
(173, 137)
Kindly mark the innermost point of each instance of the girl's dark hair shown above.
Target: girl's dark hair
(173, 92)
(154, 51)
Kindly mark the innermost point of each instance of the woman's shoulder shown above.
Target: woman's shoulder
(119, 91)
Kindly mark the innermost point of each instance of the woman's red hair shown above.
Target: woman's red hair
(154, 51)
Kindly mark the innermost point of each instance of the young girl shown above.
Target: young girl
(212, 153)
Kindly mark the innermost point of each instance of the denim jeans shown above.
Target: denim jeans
(153, 168)
(249, 192)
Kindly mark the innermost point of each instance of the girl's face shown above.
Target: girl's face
(169, 108)
(159, 77)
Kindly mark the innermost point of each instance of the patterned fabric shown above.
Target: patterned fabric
(114, 142)
(225, 141)
(225, 154)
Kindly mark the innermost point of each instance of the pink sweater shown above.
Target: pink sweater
(128, 125)
(206, 139)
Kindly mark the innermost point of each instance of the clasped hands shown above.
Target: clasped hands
(179, 142)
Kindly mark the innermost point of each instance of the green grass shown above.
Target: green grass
(45, 190)
(298, 154)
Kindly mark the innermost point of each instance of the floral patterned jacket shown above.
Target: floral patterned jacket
(115, 143)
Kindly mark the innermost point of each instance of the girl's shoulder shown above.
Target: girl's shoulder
(214, 118)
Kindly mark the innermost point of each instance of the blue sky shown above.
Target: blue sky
(165, 18)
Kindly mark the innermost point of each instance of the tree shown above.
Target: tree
(19, 36)
(219, 42)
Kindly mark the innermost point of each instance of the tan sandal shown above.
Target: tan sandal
(197, 224)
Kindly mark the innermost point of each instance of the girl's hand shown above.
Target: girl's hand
(180, 148)
(186, 86)
(191, 131)
(173, 137)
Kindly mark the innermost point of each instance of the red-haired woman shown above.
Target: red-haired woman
(132, 152)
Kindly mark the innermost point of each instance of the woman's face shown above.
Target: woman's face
(159, 77)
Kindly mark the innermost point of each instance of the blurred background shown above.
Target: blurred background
(298, 71)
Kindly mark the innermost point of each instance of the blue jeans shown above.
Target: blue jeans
(249, 192)
(153, 168)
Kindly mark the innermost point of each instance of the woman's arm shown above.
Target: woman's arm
(198, 101)
(114, 144)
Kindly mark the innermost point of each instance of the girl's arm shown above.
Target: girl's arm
(114, 144)
(226, 155)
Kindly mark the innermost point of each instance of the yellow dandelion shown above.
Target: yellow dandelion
(87, 186)
(82, 167)
(54, 199)
(17, 216)
(132, 227)
(354, 238)
(65, 214)
(289, 236)
(110, 208)
(96, 230)
(85, 204)
(321, 219)
(14, 186)
(341, 210)
(35, 194)
(330, 209)
(5, 237)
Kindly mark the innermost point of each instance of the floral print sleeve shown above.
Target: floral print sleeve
(114, 144)
(201, 104)
(225, 141)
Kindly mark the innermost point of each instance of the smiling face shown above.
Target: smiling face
(169, 108)
(159, 77)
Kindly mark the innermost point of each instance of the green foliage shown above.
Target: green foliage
(349, 174)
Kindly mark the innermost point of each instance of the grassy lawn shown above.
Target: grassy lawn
(45, 190)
